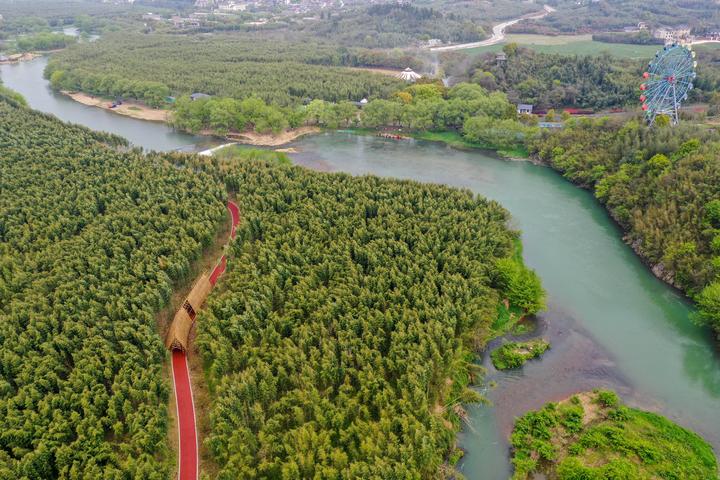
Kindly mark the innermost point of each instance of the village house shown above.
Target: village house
(524, 109)
(673, 35)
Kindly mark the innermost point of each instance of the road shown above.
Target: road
(188, 460)
(498, 34)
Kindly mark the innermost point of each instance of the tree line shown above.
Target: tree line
(483, 118)
(91, 240)
(662, 185)
(44, 41)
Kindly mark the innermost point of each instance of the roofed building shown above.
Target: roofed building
(177, 338)
(524, 109)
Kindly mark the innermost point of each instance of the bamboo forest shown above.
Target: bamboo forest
(91, 241)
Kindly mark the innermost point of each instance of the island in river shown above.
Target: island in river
(593, 436)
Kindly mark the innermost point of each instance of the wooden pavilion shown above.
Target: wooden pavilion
(177, 338)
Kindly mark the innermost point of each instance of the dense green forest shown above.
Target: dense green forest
(592, 436)
(577, 16)
(44, 41)
(91, 240)
(279, 72)
(662, 185)
(388, 25)
(339, 344)
(553, 80)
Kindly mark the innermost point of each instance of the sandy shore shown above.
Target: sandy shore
(143, 112)
(271, 140)
(19, 57)
(129, 109)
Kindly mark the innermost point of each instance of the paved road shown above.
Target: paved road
(187, 431)
(188, 461)
(498, 34)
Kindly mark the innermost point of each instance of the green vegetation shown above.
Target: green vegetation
(592, 436)
(236, 153)
(21, 17)
(340, 341)
(44, 41)
(596, 82)
(643, 37)
(12, 95)
(91, 240)
(279, 72)
(515, 354)
(388, 25)
(614, 15)
(465, 115)
(661, 185)
(566, 45)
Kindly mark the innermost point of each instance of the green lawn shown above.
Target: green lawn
(577, 45)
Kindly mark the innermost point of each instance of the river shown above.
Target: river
(611, 322)
(27, 78)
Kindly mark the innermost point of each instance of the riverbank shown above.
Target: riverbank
(140, 111)
(128, 108)
(270, 139)
(18, 57)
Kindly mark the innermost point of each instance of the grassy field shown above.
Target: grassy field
(577, 45)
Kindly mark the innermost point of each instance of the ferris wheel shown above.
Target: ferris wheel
(668, 80)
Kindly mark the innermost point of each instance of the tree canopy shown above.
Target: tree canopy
(237, 66)
(91, 240)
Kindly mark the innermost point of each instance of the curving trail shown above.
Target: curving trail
(188, 461)
(187, 431)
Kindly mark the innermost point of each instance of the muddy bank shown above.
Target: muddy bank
(271, 139)
(128, 108)
(18, 57)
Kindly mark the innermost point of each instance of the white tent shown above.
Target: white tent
(409, 76)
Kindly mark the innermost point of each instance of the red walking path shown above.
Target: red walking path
(187, 431)
(188, 461)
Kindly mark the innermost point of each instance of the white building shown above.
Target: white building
(673, 35)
